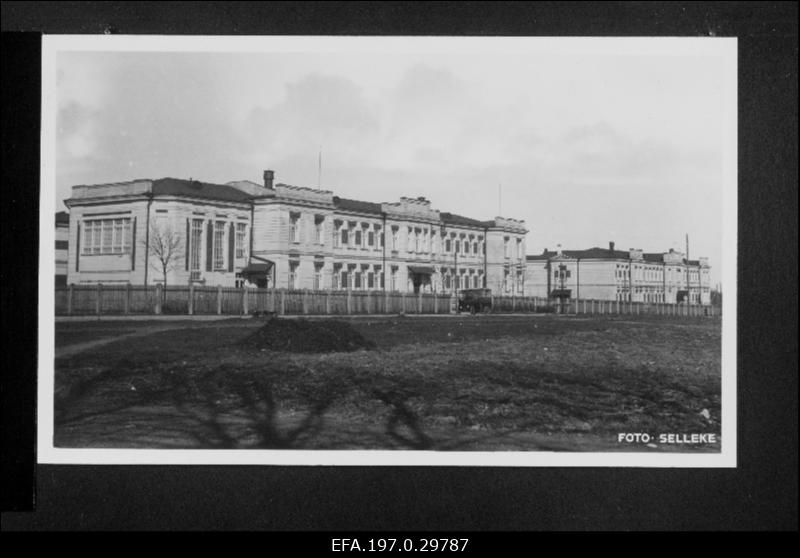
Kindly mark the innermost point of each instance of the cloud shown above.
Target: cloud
(317, 110)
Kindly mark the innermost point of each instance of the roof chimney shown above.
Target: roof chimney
(269, 176)
(611, 246)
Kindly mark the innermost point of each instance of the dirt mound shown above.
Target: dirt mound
(305, 336)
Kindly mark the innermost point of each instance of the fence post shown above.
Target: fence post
(158, 298)
(245, 302)
(98, 294)
(127, 298)
(328, 302)
(191, 299)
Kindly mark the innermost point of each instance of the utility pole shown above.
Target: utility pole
(688, 286)
(319, 170)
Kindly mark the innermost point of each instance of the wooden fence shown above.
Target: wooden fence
(129, 299)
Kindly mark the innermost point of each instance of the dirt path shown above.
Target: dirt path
(141, 331)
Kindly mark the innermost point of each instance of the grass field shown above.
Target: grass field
(440, 383)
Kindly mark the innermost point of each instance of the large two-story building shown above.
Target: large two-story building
(623, 275)
(244, 233)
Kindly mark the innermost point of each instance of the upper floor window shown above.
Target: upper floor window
(318, 230)
(294, 227)
(395, 238)
(345, 236)
(371, 238)
(358, 237)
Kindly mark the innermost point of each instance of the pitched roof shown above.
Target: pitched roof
(197, 189)
(591, 253)
(598, 253)
(356, 205)
(653, 257)
(453, 219)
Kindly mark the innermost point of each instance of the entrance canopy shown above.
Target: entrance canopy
(254, 271)
(421, 269)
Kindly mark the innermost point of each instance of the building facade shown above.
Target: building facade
(62, 247)
(627, 276)
(243, 233)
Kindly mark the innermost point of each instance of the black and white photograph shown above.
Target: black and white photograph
(507, 251)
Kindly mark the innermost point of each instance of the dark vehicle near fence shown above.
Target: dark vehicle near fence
(475, 300)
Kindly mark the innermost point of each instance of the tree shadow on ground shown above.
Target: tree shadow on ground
(402, 418)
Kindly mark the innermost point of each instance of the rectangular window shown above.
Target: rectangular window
(336, 285)
(345, 279)
(294, 226)
(240, 239)
(219, 245)
(395, 239)
(118, 236)
(357, 280)
(317, 278)
(447, 245)
(506, 248)
(416, 241)
(371, 238)
(393, 279)
(345, 234)
(196, 242)
(358, 237)
(370, 280)
(107, 236)
(318, 225)
(293, 274)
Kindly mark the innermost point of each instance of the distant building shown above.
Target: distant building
(62, 245)
(610, 274)
(244, 233)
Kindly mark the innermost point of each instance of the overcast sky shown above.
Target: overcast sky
(589, 147)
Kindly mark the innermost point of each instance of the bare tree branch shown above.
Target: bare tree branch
(167, 246)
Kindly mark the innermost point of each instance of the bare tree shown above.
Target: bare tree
(167, 246)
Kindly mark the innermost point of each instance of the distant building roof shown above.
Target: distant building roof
(598, 254)
(589, 254)
(601, 254)
(356, 205)
(62, 218)
(197, 189)
(453, 219)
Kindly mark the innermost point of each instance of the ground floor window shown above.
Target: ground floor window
(317, 277)
(293, 274)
